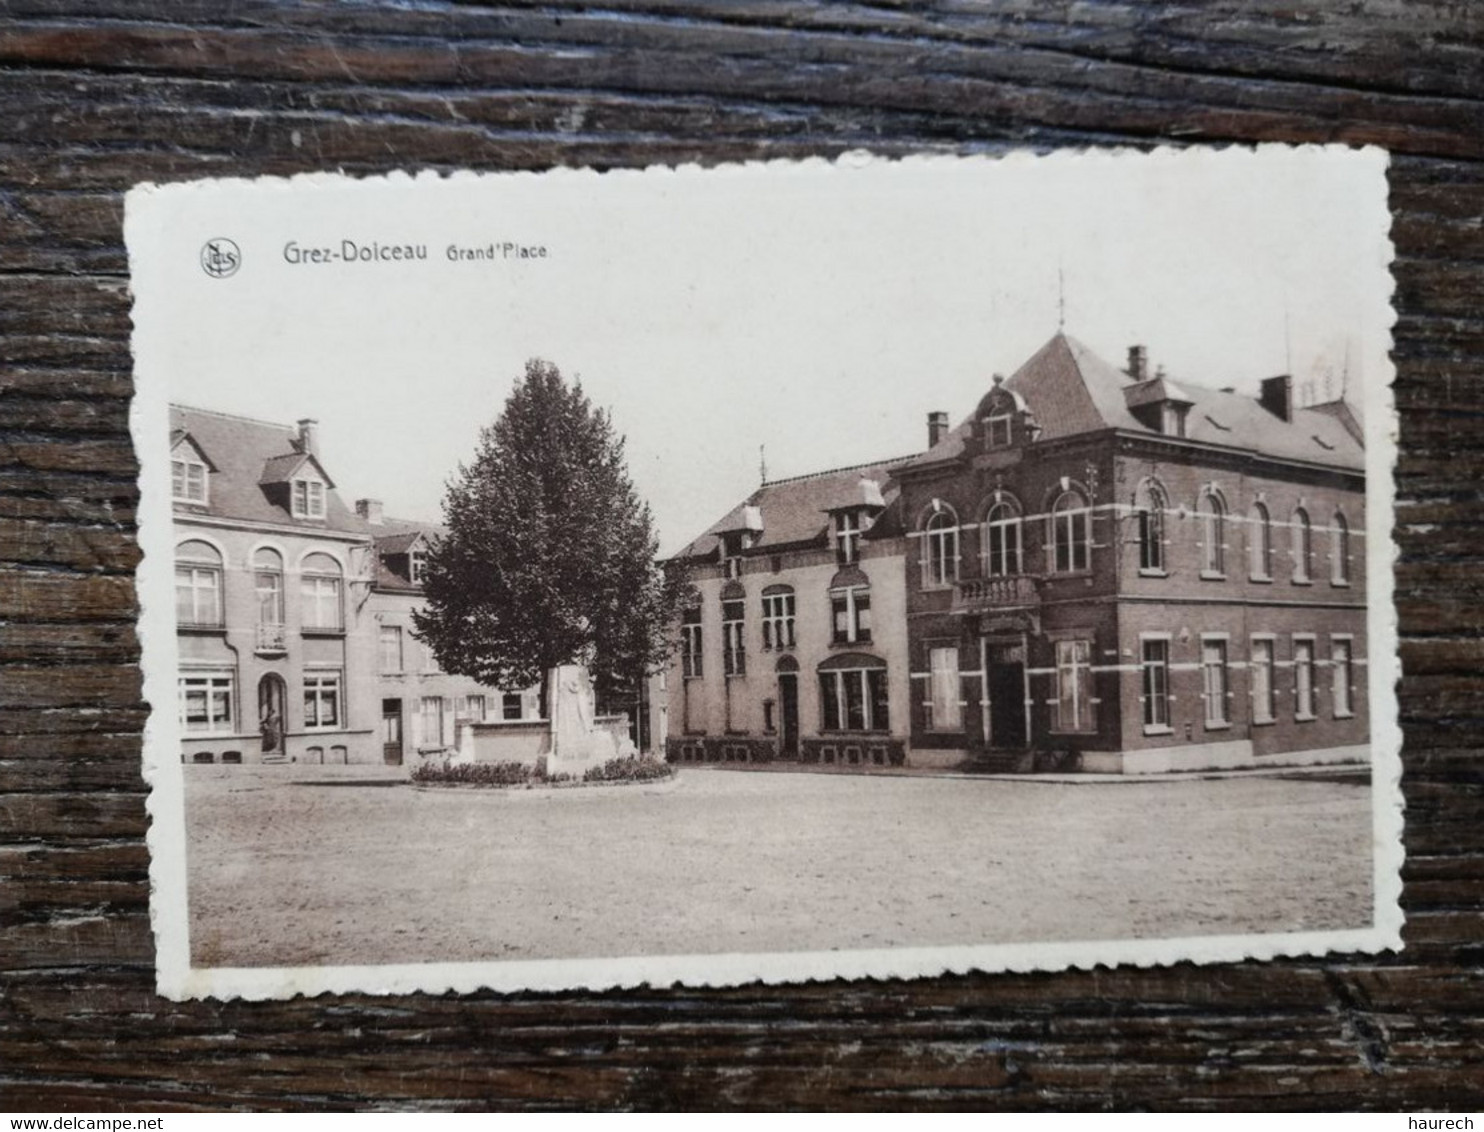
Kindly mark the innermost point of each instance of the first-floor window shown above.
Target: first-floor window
(474, 708)
(512, 705)
(1303, 679)
(854, 699)
(1214, 679)
(1263, 707)
(1156, 692)
(432, 721)
(778, 620)
(322, 707)
(391, 648)
(850, 610)
(1341, 661)
(206, 702)
(944, 709)
(1074, 686)
(691, 662)
(733, 639)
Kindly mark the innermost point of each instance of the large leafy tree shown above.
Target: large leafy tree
(550, 556)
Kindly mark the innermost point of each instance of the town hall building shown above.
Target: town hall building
(1099, 568)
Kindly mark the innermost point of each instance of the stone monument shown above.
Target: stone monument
(579, 739)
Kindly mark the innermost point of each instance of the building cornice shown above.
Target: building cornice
(225, 523)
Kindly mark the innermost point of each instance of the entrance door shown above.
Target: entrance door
(272, 696)
(391, 732)
(788, 706)
(1005, 665)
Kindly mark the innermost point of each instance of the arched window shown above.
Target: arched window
(1002, 543)
(1339, 551)
(267, 568)
(1213, 535)
(940, 554)
(319, 592)
(198, 585)
(1303, 546)
(1260, 543)
(1070, 534)
(1150, 512)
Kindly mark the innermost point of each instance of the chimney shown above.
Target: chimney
(937, 428)
(1138, 363)
(370, 510)
(1277, 396)
(309, 436)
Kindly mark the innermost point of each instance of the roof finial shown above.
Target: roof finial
(762, 462)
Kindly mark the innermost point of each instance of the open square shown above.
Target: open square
(306, 866)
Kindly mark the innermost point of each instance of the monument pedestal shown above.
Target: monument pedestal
(579, 739)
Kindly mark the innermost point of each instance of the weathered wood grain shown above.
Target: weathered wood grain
(97, 96)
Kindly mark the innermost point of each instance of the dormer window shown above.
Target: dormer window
(847, 537)
(187, 478)
(308, 499)
(418, 565)
(997, 429)
(1172, 419)
(733, 543)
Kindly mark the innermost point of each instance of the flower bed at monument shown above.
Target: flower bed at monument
(509, 774)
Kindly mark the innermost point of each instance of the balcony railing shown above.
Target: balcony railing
(271, 638)
(1012, 592)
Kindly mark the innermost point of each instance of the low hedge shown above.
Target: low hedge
(636, 768)
(633, 769)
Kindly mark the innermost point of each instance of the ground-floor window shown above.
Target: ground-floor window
(1074, 708)
(1263, 706)
(1303, 678)
(432, 721)
(1156, 690)
(512, 705)
(1214, 682)
(944, 710)
(322, 706)
(1341, 662)
(206, 702)
(854, 699)
(474, 708)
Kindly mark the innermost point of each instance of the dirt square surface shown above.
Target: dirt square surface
(292, 867)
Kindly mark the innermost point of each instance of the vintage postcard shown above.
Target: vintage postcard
(769, 572)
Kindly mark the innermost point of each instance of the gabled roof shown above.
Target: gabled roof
(282, 469)
(241, 449)
(1070, 390)
(796, 511)
(400, 543)
(179, 436)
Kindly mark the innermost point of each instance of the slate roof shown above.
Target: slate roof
(281, 469)
(1070, 390)
(796, 511)
(240, 448)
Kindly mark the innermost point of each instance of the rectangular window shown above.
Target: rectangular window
(690, 643)
(944, 710)
(432, 721)
(854, 700)
(206, 703)
(269, 587)
(847, 537)
(1214, 683)
(512, 706)
(1156, 690)
(474, 708)
(308, 499)
(430, 658)
(733, 642)
(1303, 679)
(198, 596)
(851, 614)
(1074, 686)
(188, 481)
(391, 648)
(320, 597)
(1341, 663)
(1263, 706)
(778, 621)
(997, 431)
(418, 563)
(322, 708)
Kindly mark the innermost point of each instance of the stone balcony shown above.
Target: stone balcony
(982, 595)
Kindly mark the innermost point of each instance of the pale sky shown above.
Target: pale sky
(820, 310)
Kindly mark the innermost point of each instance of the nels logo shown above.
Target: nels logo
(220, 258)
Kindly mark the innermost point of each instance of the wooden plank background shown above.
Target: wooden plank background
(96, 96)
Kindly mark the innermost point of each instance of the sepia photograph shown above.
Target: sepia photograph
(778, 571)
